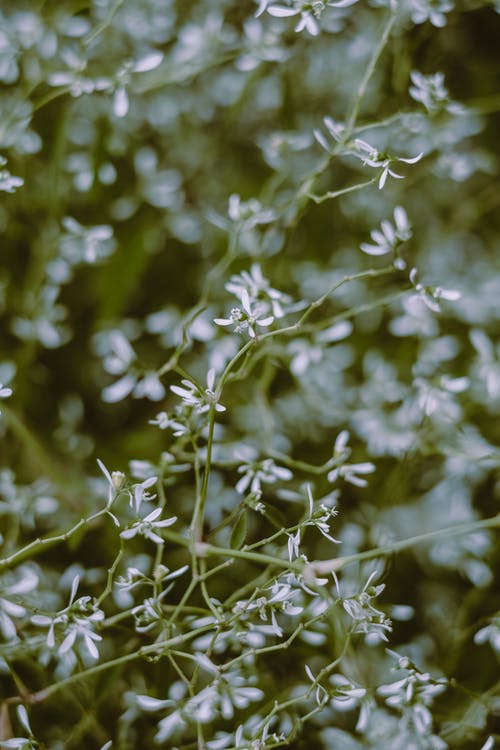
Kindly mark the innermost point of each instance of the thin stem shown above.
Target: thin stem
(324, 567)
(104, 24)
(38, 545)
(337, 193)
(370, 69)
(199, 511)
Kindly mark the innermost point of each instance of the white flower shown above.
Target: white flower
(139, 493)
(389, 237)
(248, 213)
(256, 472)
(429, 90)
(246, 319)
(335, 129)
(380, 160)
(25, 580)
(431, 295)
(367, 618)
(490, 634)
(77, 621)
(200, 400)
(307, 20)
(258, 289)
(163, 421)
(349, 472)
(21, 742)
(430, 10)
(146, 527)
(8, 182)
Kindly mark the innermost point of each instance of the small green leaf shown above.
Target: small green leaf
(239, 531)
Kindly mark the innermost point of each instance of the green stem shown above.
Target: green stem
(324, 567)
(337, 193)
(38, 545)
(199, 511)
(370, 69)
(370, 273)
(211, 549)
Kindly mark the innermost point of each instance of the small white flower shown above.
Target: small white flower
(258, 289)
(431, 10)
(431, 295)
(256, 472)
(429, 90)
(390, 236)
(307, 20)
(139, 493)
(246, 319)
(146, 527)
(200, 400)
(8, 182)
(372, 157)
(490, 634)
(349, 472)
(163, 421)
(76, 622)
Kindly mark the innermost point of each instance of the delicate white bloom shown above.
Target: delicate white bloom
(335, 129)
(372, 157)
(349, 472)
(367, 618)
(307, 20)
(23, 581)
(431, 295)
(82, 244)
(147, 526)
(258, 289)
(293, 545)
(140, 495)
(149, 61)
(116, 480)
(429, 90)
(200, 400)
(249, 213)
(489, 744)
(257, 472)
(76, 622)
(390, 236)
(490, 634)
(163, 421)
(8, 182)
(431, 10)
(308, 12)
(21, 742)
(320, 517)
(247, 318)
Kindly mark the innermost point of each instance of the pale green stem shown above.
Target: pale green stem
(38, 545)
(199, 511)
(344, 191)
(370, 69)
(323, 567)
(104, 24)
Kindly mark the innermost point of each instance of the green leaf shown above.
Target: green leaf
(239, 531)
